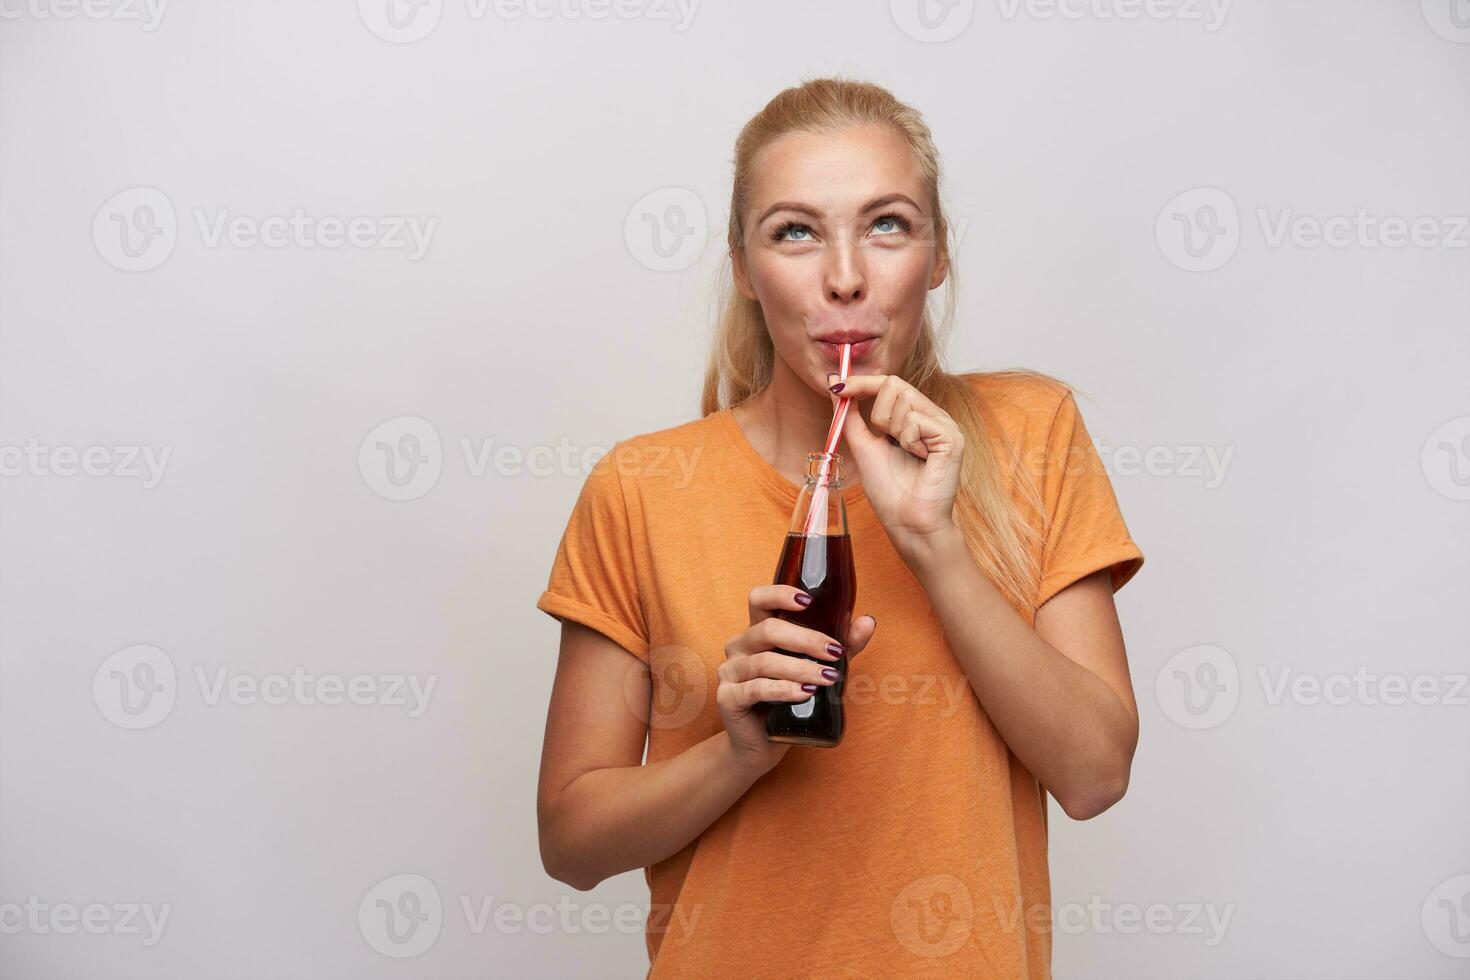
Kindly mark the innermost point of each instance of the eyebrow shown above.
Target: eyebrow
(873, 205)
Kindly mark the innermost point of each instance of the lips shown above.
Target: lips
(862, 345)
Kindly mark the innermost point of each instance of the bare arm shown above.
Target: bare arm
(600, 810)
(1059, 694)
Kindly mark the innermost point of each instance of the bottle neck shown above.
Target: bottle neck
(826, 468)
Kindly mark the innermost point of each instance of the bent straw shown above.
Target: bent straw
(834, 435)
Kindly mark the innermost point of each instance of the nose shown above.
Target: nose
(843, 275)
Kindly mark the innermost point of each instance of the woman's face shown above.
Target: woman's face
(839, 246)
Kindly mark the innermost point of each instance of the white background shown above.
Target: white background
(1334, 541)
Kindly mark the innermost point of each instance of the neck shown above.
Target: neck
(787, 420)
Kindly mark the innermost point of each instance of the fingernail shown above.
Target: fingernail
(802, 599)
(830, 674)
(837, 388)
(809, 688)
(835, 649)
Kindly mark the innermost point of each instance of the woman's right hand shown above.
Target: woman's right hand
(754, 672)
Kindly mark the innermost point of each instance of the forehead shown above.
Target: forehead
(835, 171)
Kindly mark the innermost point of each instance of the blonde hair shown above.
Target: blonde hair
(1000, 537)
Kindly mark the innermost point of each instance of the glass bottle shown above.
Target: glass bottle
(817, 558)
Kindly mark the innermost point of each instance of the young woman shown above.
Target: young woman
(985, 663)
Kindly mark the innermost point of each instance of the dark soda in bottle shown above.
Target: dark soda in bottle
(817, 558)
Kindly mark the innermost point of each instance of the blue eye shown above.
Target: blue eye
(898, 223)
(790, 227)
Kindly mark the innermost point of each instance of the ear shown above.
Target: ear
(742, 275)
(941, 270)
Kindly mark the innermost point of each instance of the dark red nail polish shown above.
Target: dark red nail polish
(830, 674)
(802, 599)
(835, 649)
(809, 688)
(837, 388)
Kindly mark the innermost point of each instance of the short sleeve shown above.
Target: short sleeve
(1084, 530)
(592, 577)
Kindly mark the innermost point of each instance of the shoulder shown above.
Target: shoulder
(661, 459)
(1018, 404)
(692, 433)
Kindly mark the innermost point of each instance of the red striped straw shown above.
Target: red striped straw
(834, 435)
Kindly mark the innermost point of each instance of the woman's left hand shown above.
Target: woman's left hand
(907, 453)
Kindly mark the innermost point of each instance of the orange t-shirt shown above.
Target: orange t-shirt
(915, 848)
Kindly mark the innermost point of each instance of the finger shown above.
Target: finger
(885, 403)
(861, 385)
(936, 436)
(753, 692)
(910, 438)
(779, 666)
(859, 439)
(764, 600)
(859, 633)
(866, 386)
(779, 634)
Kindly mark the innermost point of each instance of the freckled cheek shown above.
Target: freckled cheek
(901, 276)
(786, 293)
